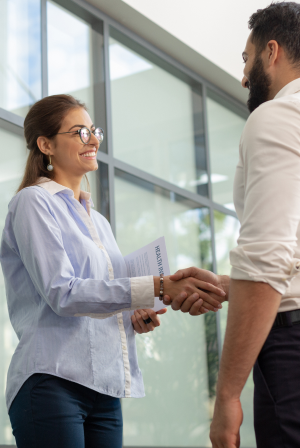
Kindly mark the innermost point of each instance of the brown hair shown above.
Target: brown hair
(44, 119)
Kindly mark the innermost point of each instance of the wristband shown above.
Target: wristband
(161, 287)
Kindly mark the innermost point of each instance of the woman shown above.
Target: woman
(69, 297)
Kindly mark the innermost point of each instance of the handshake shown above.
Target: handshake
(194, 291)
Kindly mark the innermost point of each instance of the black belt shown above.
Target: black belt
(287, 319)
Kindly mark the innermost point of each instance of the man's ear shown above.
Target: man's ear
(272, 52)
(44, 145)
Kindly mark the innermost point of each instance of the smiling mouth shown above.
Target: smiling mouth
(90, 154)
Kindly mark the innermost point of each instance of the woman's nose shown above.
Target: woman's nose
(94, 141)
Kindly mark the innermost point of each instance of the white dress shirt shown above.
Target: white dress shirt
(68, 293)
(267, 197)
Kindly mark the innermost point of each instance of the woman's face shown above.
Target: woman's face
(69, 155)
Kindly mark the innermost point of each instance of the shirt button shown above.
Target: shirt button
(124, 347)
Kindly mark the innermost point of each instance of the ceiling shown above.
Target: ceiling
(207, 37)
(171, 44)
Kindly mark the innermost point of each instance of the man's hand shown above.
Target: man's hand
(251, 314)
(197, 308)
(139, 316)
(225, 427)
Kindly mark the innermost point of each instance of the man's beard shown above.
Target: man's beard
(259, 85)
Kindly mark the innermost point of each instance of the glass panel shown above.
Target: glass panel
(98, 183)
(20, 49)
(225, 126)
(157, 120)
(73, 67)
(12, 164)
(90, 183)
(103, 191)
(226, 234)
(173, 358)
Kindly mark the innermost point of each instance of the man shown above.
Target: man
(264, 290)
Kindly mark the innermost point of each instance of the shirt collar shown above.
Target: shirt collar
(289, 89)
(54, 188)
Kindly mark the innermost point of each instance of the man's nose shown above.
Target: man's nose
(245, 82)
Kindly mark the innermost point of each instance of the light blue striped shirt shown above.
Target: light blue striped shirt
(68, 293)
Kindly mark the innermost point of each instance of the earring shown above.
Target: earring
(49, 166)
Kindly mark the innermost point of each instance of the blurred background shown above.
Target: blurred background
(162, 78)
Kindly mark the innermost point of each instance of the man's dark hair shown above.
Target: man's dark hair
(280, 22)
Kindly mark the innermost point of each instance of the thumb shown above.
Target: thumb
(163, 311)
(182, 273)
(177, 276)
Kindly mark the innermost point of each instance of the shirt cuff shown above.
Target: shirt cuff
(279, 277)
(142, 292)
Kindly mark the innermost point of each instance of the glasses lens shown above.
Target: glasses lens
(85, 135)
(99, 134)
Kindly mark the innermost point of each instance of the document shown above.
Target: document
(151, 259)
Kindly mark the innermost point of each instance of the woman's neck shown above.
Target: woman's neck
(70, 182)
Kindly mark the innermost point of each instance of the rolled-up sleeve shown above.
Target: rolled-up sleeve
(270, 155)
(39, 243)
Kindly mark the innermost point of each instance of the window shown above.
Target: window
(173, 359)
(69, 55)
(75, 61)
(12, 164)
(157, 120)
(225, 126)
(20, 48)
(74, 68)
(226, 234)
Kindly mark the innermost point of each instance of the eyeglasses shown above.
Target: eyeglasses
(85, 134)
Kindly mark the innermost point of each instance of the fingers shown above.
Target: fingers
(179, 301)
(210, 302)
(183, 304)
(189, 302)
(144, 314)
(163, 311)
(179, 298)
(153, 316)
(136, 325)
(209, 287)
(167, 300)
(197, 308)
(183, 273)
(140, 316)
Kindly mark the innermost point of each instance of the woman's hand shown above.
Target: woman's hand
(208, 278)
(140, 316)
(191, 294)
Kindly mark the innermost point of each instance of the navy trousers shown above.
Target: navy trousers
(277, 390)
(50, 412)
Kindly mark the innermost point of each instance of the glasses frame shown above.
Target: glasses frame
(89, 131)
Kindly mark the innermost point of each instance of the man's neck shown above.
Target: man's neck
(282, 81)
